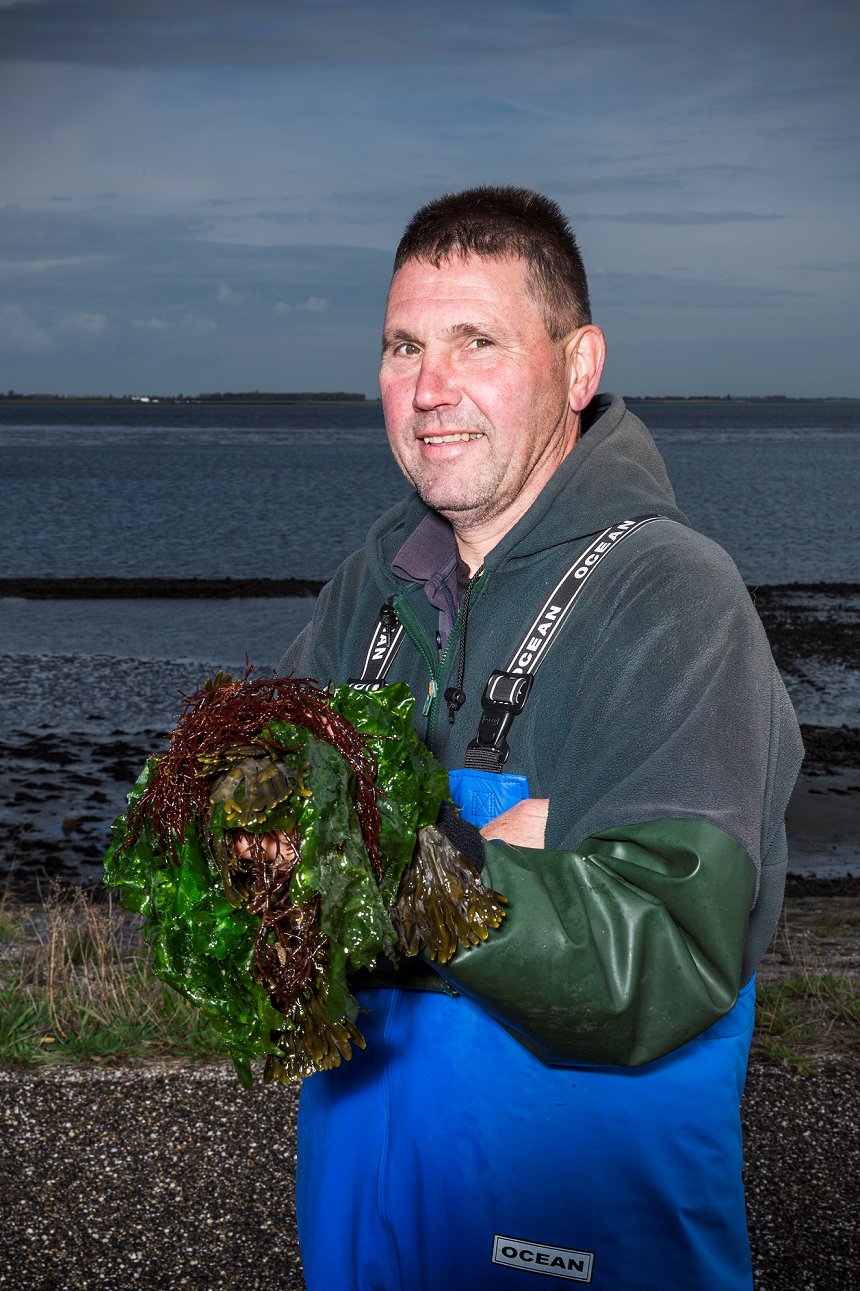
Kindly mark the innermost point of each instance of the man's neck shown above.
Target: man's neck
(474, 542)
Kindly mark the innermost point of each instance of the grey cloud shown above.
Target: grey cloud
(20, 330)
(24, 267)
(188, 323)
(82, 325)
(282, 31)
(159, 275)
(285, 218)
(385, 198)
(659, 291)
(842, 266)
(625, 181)
(668, 180)
(628, 180)
(675, 217)
(156, 251)
(239, 201)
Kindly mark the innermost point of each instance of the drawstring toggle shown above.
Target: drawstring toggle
(455, 699)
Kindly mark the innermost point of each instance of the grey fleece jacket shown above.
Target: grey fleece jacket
(660, 700)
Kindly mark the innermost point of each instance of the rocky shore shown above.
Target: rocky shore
(60, 788)
(58, 796)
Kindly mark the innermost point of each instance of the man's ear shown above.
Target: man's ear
(585, 355)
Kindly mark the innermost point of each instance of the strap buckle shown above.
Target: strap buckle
(504, 697)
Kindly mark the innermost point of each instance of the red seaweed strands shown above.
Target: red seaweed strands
(289, 943)
(234, 713)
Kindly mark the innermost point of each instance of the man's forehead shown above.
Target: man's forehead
(460, 295)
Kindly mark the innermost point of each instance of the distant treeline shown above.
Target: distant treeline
(256, 397)
(253, 396)
(340, 396)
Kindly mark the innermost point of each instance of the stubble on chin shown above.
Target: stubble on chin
(471, 501)
(473, 493)
(447, 492)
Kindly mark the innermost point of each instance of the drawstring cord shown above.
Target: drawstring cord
(455, 696)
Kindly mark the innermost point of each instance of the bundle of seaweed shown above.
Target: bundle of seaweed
(267, 849)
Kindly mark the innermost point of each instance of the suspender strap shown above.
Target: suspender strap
(385, 640)
(506, 691)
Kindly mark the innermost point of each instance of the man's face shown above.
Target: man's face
(474, 390)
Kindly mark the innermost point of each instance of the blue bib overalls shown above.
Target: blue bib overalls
(445, 1146)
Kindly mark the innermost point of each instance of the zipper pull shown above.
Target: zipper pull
(431, 695)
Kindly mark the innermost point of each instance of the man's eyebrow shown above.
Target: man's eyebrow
(399, 335)
(466, 329)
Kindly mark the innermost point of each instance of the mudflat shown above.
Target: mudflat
(58, 795)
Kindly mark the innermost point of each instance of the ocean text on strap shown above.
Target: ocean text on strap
(507, 690)
(385, 640)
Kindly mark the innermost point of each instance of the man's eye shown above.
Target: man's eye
(480, 343)
(408, 349)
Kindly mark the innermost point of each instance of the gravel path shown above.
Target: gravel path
(164, 1179)
(174, 1178)
(802, 1151)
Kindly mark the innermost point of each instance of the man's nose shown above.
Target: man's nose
(435, 386)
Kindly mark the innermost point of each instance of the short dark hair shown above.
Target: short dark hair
(500, 222)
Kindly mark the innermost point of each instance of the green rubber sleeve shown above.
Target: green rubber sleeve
(619, 952)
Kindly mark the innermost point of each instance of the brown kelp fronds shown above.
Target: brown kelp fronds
(442, 902)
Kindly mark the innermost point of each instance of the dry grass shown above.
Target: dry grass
(76, 983)
(10, 924)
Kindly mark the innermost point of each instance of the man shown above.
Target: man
(565, 1102)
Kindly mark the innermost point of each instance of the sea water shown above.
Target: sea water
(288, 491)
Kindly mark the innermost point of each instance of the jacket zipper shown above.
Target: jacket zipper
(438, 667)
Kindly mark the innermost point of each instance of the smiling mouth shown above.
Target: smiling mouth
(457, 438)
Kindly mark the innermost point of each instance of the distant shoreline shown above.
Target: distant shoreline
(730, 398)
(199, 589)
(220, 400)
(138, 401)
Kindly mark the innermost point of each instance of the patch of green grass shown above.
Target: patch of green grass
(10, 924)
(156, 1023)
(81, 988)
(780, 1054)
(21, 1026)
(835, 922)
(798, 1019)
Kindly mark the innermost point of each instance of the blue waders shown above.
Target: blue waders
(445, 1134)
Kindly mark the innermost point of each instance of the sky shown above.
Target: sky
(199, 195)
